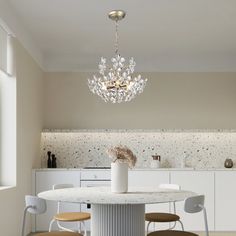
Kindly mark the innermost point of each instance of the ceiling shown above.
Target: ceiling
(162, 35)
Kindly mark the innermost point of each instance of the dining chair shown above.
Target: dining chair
(35, 205)
(79, 217)
(192, 205)
(163, 217)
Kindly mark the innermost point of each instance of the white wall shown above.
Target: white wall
(170, 100)
(29, 124)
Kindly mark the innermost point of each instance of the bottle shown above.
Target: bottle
(49, 162)
(54, 161)
(156, 160)
(183, 162)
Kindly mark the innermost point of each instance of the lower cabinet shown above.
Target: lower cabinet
(225, 197)
(151, 178)
(44, 180)
(200, 182)
(217, 186)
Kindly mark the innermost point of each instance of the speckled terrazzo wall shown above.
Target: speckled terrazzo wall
(201, 149)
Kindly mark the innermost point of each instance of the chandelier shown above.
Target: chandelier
(116, 83)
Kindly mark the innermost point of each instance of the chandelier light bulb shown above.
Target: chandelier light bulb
(116, 83)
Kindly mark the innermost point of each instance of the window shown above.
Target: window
(7, 111)
(3, 50)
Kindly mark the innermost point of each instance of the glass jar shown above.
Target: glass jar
(156, 161)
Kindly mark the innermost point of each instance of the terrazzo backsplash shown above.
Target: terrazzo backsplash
(82, 148)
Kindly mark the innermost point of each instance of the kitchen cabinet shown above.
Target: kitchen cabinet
(216, 185)
(93, 178)
(225, 197)
(201, 182)
(44, 180)
(150, 178)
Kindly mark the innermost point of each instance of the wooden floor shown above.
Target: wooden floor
(200, 234)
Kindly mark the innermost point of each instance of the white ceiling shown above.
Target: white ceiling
(162, 35)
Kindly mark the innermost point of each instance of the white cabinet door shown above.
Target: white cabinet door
(150, 178)
(200, 182)
(225, 195)
(87, 207)
(44, 180)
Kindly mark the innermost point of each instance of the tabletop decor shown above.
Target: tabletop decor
(156, 161)
(228, 163)
(122, 158)
(116, 83)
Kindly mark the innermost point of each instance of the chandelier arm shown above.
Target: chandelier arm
(116, 38)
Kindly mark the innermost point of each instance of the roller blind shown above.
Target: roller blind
(3, 50)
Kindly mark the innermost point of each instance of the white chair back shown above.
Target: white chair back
(195, 204)
(61, 186)
(33, 205)
(170, 186)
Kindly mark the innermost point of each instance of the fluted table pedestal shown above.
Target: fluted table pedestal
(118, 220)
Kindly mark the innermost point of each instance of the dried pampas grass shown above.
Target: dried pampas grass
(122, 154)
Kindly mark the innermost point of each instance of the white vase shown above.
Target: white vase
(119, 177)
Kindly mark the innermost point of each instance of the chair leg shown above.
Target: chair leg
(182, 226)
(148, 226)
(50, 226)
(79, 228)
(172, 227)
(64, 228)
(84, 227)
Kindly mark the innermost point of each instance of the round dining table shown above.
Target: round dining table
(116, 214)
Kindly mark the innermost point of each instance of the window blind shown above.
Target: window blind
(3, 50)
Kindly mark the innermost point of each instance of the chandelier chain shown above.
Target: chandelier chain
(116, 38)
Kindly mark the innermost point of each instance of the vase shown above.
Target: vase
(119, 177)
(228, 163)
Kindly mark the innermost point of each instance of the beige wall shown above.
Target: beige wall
(29, 125)
(170, 100)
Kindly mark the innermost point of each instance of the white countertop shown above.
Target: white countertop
(138, 169)
(103, 195)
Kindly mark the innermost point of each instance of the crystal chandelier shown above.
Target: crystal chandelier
(116, 83)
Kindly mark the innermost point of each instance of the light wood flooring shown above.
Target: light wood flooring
(200, 234)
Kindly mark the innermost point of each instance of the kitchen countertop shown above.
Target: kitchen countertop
(138, 169)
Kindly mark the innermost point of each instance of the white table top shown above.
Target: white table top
(103, 195)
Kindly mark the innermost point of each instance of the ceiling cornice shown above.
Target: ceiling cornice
(9, 17)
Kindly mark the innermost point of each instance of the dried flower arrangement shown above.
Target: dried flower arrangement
(122, 154)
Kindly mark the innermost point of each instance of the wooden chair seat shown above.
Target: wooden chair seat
(72, 216)
(161, 217)
(59, 233)
(171, 233)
